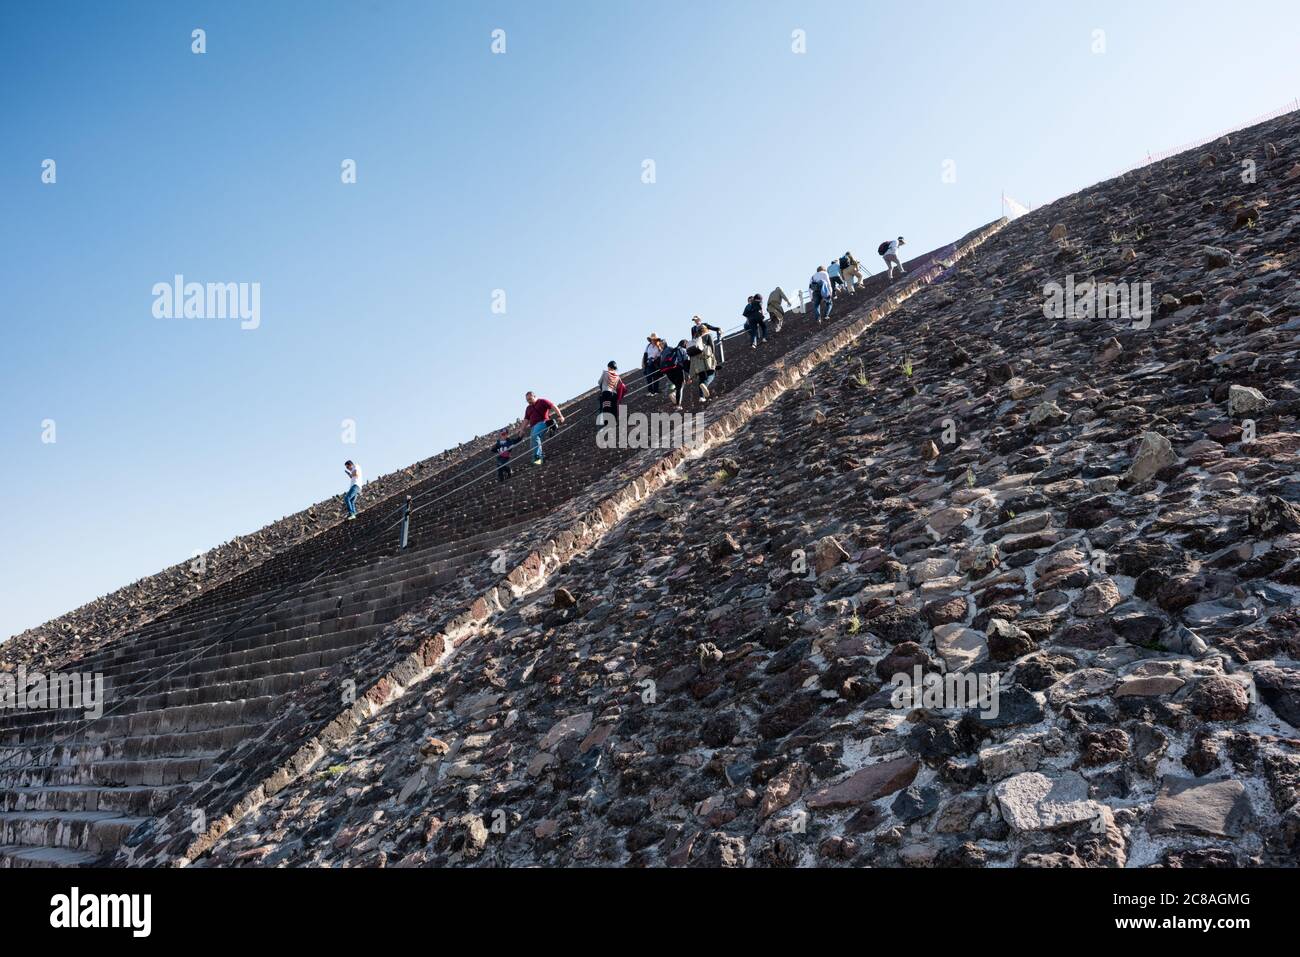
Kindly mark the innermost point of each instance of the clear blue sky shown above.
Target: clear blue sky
(476, 172)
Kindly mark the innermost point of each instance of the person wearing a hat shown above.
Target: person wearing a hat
(650, 362)
(612, 389)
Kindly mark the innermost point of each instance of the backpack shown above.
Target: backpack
(883, 248)
(844, 262)
(694, 349)
(815, 290)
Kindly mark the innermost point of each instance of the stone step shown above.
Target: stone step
(146, 747)
(326, 617)
(152, 772)
(93, 831)
(15, 855)
(323, 651)
(304, 561)
(317, 636)
(126, 801)
(179, 718)
(313, 598)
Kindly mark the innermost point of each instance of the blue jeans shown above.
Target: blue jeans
(350, 499)
(823, 309)
(538, 431)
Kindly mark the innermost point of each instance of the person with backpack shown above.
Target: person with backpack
(537, 415)
(650, 362)
(612, 389)
(713, 333)
(504, 441)
(674, 363)
(755, 322)
(889, 253)
(851, 270)
(837, 281)
(819, 286)
(775, 300)
(704, 363)
(355, 481)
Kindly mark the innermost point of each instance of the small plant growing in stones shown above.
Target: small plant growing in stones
(855, 624)
(970, 477)
(861, 377)
(334, 770)
(907, 367)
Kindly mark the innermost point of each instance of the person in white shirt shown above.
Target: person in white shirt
(355, 481)
(820, 287)
(890, 255)
(650, 362)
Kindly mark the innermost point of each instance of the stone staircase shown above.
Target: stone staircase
(184, 690)
(214, 674)
(468, 499)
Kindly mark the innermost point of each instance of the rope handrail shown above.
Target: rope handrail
(402, 515)
(263, 608)
(486, 464)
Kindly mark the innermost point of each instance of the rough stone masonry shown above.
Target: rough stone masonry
(1100, 513)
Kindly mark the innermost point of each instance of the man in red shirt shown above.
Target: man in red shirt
(537, 415)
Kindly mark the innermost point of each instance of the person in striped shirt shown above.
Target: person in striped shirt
(612, 389)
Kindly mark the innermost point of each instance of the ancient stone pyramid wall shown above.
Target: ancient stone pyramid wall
(217, 697)
(1098, 515)
(580, 492)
